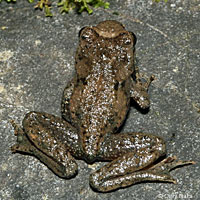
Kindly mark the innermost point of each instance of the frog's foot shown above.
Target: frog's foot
(61, 163)
(105, 180)
(168, 164)
(139, 90)
(23, 144)
(164, 167)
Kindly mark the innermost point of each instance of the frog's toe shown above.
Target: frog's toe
(22, 144)
(170, 163)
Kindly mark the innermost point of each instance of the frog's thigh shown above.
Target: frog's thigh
(46, 134)
(136, 151)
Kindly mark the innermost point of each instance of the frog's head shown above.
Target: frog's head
(105, 31)
(108, 45)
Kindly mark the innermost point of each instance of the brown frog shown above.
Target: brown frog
(94, 105)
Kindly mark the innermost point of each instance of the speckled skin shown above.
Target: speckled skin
(94, 105)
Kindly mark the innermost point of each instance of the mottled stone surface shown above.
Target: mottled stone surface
(37, 61)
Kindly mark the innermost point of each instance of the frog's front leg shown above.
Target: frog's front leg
(139, 89)
(136, 162)
(48, 138)
(65, 104)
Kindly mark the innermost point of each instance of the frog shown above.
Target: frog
(94, 106)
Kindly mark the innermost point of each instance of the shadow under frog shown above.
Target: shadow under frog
(94, 105)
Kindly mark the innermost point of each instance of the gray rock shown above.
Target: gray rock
(37, 61)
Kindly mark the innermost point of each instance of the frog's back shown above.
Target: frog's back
(98, 106)
(100, 99)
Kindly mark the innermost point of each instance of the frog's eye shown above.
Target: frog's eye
(87, 34)
(126, 39)
(79, 34)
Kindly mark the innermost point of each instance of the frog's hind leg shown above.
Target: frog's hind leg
(37, 138)
(136, 165)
